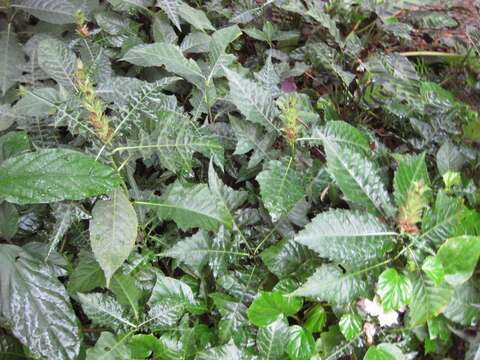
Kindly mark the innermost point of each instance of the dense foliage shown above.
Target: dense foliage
(289, 179)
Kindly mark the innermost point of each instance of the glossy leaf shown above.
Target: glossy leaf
(395, 289)
(351, 325)
(52, 11)
(432, 266)
(104, 310)
(109, 347)
(301, 345)
(269, 307)
(272, 340)
(412, 170)
(53, 175)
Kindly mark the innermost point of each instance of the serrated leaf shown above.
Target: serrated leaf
(57, 61)
(428, 300)
(384, 351)
(346, 236)
(411, 170)
(113, 231)
(234, 315)
(351, 325)
(171, 57)
(253, 101)
(52, 11)
(344, 135)
(301, 345)
(316, 319)
(191, 207)
(36, 305)
(11, 60)
(328, 283)
(109, 347)
(358, 178)
(53, 175)
(269, 307)
(394, 289)
(104, 310)
(224, 352)
(272, 340)
(459, 257)
(280, 187)
(432, 266)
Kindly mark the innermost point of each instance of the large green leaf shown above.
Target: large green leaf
(328, 283)
(104, 310)
(412, 170)
(170, 56)
(344, 135)
(281, 187)
(36, 306)
(52, 11)
(268, 307)
(57, 61)
(394, 289)
(11, 59)
(252, 100)
(463, 308)
(428, 300)
(358, 178)
(113, 231)
(459, 256)
(347, 236)
(109, 347)
(191, 207)
(272, 340)
(53, 175)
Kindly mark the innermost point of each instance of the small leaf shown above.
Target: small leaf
(459, 256)
(394, 289)
(344, 135)
(113, 231)
(351, 325)
(57, 61)
(53, 175)
(432, 266)
(301, 345)
(269, 307)
(87, 275)
(384, 352)
(126, 292)
(280, 188)
(272, 340)
(8, 220)
(316, 319)
(449, 158)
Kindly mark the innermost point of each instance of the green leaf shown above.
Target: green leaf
(346, 236)
(87, 275)
(411, 170)
(170, 7)
(449, 158)
(54, 175)
(432, 266)
(224, 352)
(358, 178)
(350, 325)
(301, 345)
(142, 346)
(459, 256)
(234, 315)
(36, 305)
(191, 207)
(272, 340)
(109, 347)
(10, 348)
(394, 289)
(8, 220)
(463, 308)
(104, 310)
(428, 300)
(342, 134)
(194, 17)
(126, 292)
(11, 60)
(13, 143)
(329, 284)
(170, 56)
(252, 100)
(57, 61)
(37, 102)
(269, 307)
(113, 231)
(280, 188)
(52, 11)
(439, 224)
(384, 352)
(316, 319)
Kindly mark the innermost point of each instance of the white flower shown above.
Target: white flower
(374, 308)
